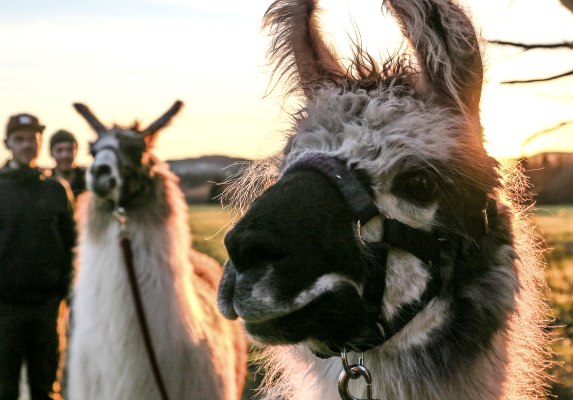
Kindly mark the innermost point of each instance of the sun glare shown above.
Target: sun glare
(503, 132)
(343, 20)
(510, 114)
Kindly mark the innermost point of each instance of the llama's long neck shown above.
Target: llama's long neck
(158, 230)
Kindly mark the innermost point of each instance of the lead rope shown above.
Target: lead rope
(119, 215)
(354, 371)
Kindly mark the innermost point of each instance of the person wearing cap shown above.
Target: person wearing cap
(63, 149)
(37, 236)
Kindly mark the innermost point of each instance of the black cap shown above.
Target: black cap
(24, 120)
(62, 136)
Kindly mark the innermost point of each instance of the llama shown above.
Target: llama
(200, 354)
(384, 227)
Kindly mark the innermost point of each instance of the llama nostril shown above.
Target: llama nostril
(103, 181)
(252, 250)
(101, 170)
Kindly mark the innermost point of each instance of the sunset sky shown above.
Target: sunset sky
(131, 59)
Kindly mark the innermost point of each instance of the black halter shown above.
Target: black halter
(424, 245)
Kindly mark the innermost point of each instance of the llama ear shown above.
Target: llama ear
(447, 49)
(301, 57)
(163, 120)
(90, 117)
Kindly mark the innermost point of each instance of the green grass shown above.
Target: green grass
(209, 224)
(555, 223)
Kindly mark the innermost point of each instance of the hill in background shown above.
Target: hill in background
(203, 179)
(551, 177)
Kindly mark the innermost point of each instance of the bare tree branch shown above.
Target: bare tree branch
(568, 4)
(544, 132)
(549, 78)
(531, 46)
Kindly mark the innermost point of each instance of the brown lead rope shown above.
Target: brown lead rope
(119, 214)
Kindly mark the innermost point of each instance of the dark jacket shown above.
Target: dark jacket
(37, 236)
(78, 181)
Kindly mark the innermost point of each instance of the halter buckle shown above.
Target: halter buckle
(485, 220)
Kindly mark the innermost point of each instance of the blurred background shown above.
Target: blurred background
(130, 59)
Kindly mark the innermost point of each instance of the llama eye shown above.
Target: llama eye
(418, 187)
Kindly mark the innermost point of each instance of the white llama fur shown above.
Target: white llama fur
(200, 355)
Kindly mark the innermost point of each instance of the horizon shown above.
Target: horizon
(214, 155)
(131, 59)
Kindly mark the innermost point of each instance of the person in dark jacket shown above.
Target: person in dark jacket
(63, 149)
(37, 236)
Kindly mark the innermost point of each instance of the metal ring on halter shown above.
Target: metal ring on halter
(357, 371)
(354, 371)
(485, 220)
(345, 365)
(359, 230)
(344, 358)
(121, 217)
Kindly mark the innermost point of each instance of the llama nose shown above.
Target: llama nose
(101, 170)
(252, 249)
(103, 180)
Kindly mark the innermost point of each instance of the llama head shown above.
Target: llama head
(407, 135)
(121, 156)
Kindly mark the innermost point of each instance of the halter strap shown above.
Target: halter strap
(358, 199)
(424, 245)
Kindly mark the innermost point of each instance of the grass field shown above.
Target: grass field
(209, 224)
(556, 226)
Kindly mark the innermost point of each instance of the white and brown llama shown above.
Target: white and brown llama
(384, 227)
(199, 354)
